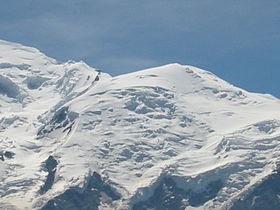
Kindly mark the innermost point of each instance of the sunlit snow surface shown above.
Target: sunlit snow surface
(127, 141)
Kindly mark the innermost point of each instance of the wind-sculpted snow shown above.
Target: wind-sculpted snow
(171, 137)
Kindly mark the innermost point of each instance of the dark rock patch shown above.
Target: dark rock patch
(87, 199)
(62, 118)
(6, 154)
(9, 154)
(60, 115)
(262, 197)
(49, 166)
(96, 78)
(169, 196)
(199, 198)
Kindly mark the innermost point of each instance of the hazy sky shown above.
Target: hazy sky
(238, 40)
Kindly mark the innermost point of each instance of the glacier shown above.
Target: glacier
(170, 137)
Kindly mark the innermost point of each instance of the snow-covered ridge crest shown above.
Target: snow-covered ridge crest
(28, 75)
(173, 137)
(21, 56)
(183, 78)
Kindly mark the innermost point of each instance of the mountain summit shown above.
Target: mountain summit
(170, 137)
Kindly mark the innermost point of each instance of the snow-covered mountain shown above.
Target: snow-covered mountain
(171, 137)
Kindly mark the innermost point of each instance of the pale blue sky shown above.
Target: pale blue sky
(238, 40)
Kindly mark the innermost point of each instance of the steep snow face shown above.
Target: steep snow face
(174, 136)
(32, 87)
(33, 82)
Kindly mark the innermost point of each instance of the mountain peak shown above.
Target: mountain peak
(173, 136)
(184, 79)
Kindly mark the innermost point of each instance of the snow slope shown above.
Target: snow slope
(171, 137)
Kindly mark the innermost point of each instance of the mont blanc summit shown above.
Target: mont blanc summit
(170, 137)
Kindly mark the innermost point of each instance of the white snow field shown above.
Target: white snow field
(171, 137)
